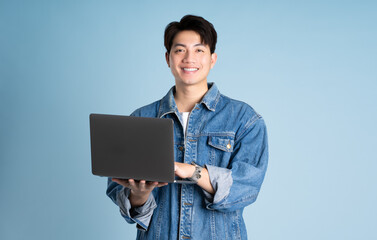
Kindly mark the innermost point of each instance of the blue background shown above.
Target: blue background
(308, 67)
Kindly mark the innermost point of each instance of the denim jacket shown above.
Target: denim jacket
(227, 137)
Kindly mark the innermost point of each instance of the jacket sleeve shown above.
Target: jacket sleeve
(238, 185)
(140, 215)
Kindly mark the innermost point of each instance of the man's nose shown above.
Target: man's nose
(189, 57)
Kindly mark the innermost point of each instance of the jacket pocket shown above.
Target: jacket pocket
(224, 143)
(221, 148)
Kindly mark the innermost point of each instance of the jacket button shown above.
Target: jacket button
(228, 146)
(180, 148)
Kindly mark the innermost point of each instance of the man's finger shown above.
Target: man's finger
(142, 184)
(120, 181)
(151, 185)
(132, 183)
(161, 184)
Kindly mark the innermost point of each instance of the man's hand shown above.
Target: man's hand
(139, 190)
(184, 170)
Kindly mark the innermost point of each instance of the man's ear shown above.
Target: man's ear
(167, 58)
(213, 59)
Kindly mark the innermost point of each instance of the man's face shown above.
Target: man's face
(190, 60)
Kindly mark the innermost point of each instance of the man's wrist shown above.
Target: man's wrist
(197, 172)
(137, 200)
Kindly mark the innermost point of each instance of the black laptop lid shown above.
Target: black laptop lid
(132, 147)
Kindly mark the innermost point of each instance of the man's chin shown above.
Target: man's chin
(191, 82)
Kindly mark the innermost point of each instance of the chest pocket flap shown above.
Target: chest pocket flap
(222, 142)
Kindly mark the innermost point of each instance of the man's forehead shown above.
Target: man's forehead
(185, 37)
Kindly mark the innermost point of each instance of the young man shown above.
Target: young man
(220, 143)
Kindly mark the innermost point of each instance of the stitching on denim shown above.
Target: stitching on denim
(238, 225)
(249, 124)
(226, 205)
(159, 109)
(212, 106)
(213, 225)
(160, 113)
(221, 147)
(159, 218)
(234, 220)
(212, 134)
(216, 100)
(166, 114)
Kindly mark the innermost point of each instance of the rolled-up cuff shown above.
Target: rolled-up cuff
(140, 215)
(221, 180)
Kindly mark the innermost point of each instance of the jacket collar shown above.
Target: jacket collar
(168, 105)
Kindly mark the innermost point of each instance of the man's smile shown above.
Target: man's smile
(190, 69)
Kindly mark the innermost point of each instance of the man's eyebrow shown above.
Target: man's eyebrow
(179, 45)
(183, 45)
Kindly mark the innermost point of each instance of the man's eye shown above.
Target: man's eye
(179, 50)
(200, 50)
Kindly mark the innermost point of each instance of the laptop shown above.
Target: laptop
(128, 147)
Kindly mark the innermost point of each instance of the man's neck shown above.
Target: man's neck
(188, 95)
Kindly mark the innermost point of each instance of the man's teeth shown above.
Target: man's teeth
(190, 69)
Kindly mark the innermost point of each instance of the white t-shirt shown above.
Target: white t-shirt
(184, 116)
